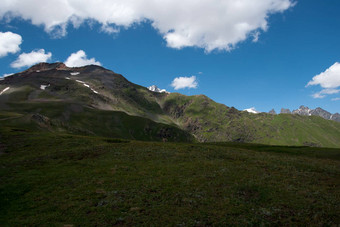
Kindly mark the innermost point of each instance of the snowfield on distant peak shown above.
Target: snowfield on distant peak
(252, 110)
(74, 73)
(154, 88)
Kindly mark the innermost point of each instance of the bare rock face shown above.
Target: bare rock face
(285, 111)
(335, 117)
(303, 110)
(272, 112)
(321, 113)
(43, 66)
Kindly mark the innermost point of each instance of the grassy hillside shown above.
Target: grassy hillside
(211, 121)
(73, 118)
(92, 100)
(60, 179)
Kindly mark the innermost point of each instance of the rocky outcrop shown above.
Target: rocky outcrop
(335, 117)
(285, 111)
(321, 113)
(43, 66)
(272, 112)
(303, 110)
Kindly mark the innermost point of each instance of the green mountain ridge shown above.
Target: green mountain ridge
(92, 100)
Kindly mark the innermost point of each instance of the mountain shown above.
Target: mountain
(321, 113)
(272, 111)
(87, 100)
(305, 111)
(252, 110)
(92, 100)
(335, 117)
(285, 111)
(154, 88)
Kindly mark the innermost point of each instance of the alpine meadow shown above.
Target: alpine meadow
(226, 113)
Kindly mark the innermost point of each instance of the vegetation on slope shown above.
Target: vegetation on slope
(134, 109)
(211, 121)
(60, 179)
(73, 118)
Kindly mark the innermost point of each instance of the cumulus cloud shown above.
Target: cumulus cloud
(184, 82)
(9, 43)
(28, 59)
(79, 59)
(322, 94)
(208, 24)
(329, 80)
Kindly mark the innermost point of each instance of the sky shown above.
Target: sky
(267, 54)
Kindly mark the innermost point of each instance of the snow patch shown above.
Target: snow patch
(74, 73)
(3, 91)
(154, 88)
(43, 87)
(67, 78)
(79, 81)
(86, 85)
(252, 110)
(94, 91)
(38, 71)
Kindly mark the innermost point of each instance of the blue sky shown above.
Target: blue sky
(299, 42)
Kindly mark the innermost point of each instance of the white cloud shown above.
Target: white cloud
(329, 80)
(208, 24)
(184, 82)
(256, 36)
(28, 59)
(9, 43)
(322, 94)
(336, 99)
(79, 59)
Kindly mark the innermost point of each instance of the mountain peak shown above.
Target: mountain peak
(43, 66)
(272, 112)
(285, 111)
(303, 110)
(154, 88)
(252, 110)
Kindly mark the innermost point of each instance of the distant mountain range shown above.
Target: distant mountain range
(303, 111)
(92, 100)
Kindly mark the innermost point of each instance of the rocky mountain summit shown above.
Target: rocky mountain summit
(252, 110)
(285, 111)
(305, 111)
(272, 112)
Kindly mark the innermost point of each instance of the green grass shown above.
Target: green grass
(57, 179)
(214, 122)
(78, 119)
